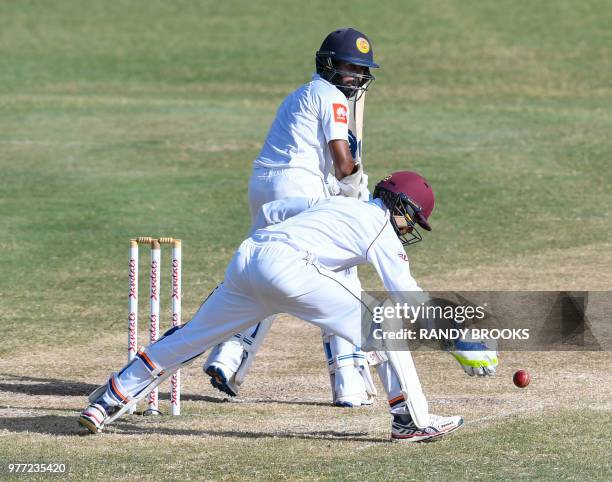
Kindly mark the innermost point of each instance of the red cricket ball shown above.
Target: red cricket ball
(521, 378)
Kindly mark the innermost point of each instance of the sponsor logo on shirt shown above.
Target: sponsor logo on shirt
(403, 256)
(340, 113)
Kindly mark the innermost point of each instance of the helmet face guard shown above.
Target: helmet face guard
(404, 213)
(326, 68)
(403, 220)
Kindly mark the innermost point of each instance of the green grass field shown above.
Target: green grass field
(128, 118)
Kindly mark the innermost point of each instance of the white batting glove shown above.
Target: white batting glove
(475, 358)
(364, 192)
(350, 185)
(332, 185)
(357, 188)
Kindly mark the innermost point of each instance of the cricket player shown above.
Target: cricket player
(307, 154)
(294, 267)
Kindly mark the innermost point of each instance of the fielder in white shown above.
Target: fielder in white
(293, 267)
(310, 153)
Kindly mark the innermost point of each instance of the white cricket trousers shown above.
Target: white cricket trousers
(262, 280)
(266, 185)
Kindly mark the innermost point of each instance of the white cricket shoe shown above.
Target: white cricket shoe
(93, 417)
(353, 402)
(404, 429)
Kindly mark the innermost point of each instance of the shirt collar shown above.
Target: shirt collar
(378, 202)
(316, 76)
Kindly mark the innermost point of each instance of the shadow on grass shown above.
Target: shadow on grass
(28, 385)
(289, 402)
(127, 427)
(46, 424)
(44, 386)
(68, 426)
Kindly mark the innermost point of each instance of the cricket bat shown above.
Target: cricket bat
(355, 125)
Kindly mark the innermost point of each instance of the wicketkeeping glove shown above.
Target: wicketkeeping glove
(475, 358)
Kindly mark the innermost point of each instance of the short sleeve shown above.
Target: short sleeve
(334, 117)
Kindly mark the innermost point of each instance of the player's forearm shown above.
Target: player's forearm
(344, 165)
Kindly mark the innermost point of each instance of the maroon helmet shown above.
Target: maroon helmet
(410, 199)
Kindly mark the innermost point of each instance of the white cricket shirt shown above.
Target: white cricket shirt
(341, 233)
(305, 122)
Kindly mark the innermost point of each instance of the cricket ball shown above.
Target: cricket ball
(521, 378)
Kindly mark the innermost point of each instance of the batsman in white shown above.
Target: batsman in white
(311, 153)
(294, 267)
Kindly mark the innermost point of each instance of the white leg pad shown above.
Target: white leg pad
(367, 380)
(97, 393)
(116, 393)
(134, 399)
(251, 343)
(149, 362)
(403, 366)
(349, 373)
(375, 358)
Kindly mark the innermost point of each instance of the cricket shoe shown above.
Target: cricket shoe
(404, 429)
(219, 380)
(353, 402)
(94, 416)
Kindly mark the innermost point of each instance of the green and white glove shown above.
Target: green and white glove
(475, 358)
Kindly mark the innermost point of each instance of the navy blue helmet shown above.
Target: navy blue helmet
(346, 46)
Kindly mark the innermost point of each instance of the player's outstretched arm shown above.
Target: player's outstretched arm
(475, 357)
